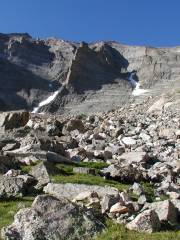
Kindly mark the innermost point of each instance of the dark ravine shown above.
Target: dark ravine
(92, 77)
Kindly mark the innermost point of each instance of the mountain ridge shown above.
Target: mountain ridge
(33, 69)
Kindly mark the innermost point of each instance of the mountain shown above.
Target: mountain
(57, 76)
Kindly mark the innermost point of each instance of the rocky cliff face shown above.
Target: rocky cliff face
(88, 77)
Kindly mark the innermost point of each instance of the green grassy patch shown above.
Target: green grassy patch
(119, 232)
(67, 176)
(88, 179)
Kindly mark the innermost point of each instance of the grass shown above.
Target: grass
(119, 232)
(67, 176)
(63, 173)
(9, 207)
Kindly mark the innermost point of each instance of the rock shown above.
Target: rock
(74, 124)
(54, 129)
(118, 208)
(146, 221)
(108, 201)
(56, 158)
(13, 173)
(177, 133)
(134, 157)
(157, 106)
(85, 195)
(52, 146)
(94, 202)
(137, 189)
(128, 141)
(145, 137)
(166, 133)
(68, 142)
(53, 218)
(6, 162)
(173, 195)
(176, 203)
(124, 198)
(70, 190)
(11, 146)
(125, 174)
(165, 210)
(15, 186)
(115, 149)
(10, 120)
(83, 170)
(40, 173)
(142, 200)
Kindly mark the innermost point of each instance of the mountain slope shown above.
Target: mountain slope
(87, 77)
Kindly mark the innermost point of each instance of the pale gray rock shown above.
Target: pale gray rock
(165, 210)
(53, 218)
(134, 157)
(146, 221)
(15, 186)
(70, 190)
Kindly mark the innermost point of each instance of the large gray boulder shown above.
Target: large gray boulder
(53, 219)
(70, 190)
(165, 210)
(146, 221)
(129, 173)
(134, 157)
(14, 186)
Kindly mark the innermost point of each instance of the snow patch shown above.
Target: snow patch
(137, 90)
(46, 101)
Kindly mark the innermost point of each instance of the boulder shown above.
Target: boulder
(165, 210)
(125, 174)
(70, 190)
(73, 124)
(128, 141)
(10, 120)
(119, 208)
(146, 221)
(53, 218)
(134, 157)
(56, 158)
(176, 203)
(84, 196)
(108, 201)
(15, 186)
(46, 144)
(40, 173)
(6, 162)
(54, 128)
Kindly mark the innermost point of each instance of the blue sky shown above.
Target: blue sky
(135, 22)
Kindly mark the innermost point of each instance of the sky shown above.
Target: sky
(133, 22)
